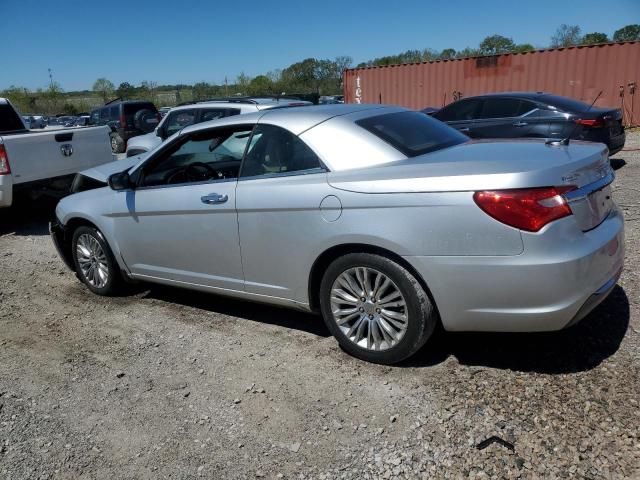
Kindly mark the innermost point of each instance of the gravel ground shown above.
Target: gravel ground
(166, 383)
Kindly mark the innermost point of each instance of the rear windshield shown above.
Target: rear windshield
(9, 119)
(566, 104)
(412, 133)
(130, 109)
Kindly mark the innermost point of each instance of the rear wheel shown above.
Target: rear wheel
(375, 308)
(94, 262)
(117, 143)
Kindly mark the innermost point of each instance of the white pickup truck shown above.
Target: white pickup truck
(45, 160)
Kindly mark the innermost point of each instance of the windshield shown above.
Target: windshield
(412, 133)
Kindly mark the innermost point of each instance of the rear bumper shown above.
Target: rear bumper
(560, 277)
(6, 191)
(616, 143)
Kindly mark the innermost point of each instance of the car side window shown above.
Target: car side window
(500, 108)
(215, 113)
(276, 151)
(114, 113)
(526, 106)
(461, 110)
(104, 115)
(177, 120)
(202, 156)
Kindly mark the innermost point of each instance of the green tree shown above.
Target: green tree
(468, 52)
(261, 85)
(21, 98)
(125, 90)
(523, 47)
(104, 88)
(627, 34)
(447, 54)
(566, 35)
(242, 83)
(52, 98)
(201, 91)
(496, 44)
(595, 37)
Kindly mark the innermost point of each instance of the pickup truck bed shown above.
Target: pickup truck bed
(46, 158)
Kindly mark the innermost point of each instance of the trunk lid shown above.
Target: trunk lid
(496, 165)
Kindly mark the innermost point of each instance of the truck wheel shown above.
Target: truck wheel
(117, 143)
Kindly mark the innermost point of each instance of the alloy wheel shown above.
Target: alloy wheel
(92, 260)
(369, 308)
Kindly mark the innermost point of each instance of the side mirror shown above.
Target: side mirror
(120, 181)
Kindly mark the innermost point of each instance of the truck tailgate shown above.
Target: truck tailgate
(54, 153)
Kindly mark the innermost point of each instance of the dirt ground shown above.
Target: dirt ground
(166, 383)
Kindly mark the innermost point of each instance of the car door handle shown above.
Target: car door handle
(520, 124)
(213, 198)
(465, 129)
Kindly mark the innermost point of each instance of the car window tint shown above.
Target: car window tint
(274, 150)
(564, 103)
(201, 156)
(114, 113)
(104, 114)
(462, 110)
(500, 108)
(526, 106)
(9, 119)
(215, 113)
(412, 133)
(179, 119)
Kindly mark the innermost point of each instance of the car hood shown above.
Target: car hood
(103, 172)
(482, 165)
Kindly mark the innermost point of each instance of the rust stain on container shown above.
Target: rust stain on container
(579, 72)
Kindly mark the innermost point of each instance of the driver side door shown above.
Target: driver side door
(180, 224)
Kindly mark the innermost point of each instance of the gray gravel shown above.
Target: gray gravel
(172, 384)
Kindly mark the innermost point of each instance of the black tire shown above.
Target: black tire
(422, 317)
(117, 143)
(145, 120)
(114, 281)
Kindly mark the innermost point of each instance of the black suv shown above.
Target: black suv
(127, 119)
(533, 114)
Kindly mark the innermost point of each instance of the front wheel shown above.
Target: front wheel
(375, 308)
(94, 262)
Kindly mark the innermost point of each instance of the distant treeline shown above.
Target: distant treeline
(311, 75)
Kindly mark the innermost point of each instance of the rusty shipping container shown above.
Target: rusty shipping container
(579, 72)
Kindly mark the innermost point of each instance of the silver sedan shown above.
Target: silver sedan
(386, 221)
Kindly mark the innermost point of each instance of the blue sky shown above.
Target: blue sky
(189, 41)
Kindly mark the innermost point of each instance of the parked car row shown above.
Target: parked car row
(533, 114)
(385, 221)
(197, 112)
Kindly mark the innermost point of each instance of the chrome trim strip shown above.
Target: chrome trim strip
(583, 192)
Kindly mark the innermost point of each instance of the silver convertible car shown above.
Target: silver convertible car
(386, 221)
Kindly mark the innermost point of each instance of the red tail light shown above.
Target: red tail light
(591, 123)
(5, 169)
(528, 209)
(123, 121)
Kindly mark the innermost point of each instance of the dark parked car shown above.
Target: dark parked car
(127, 119)
(533, 114)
